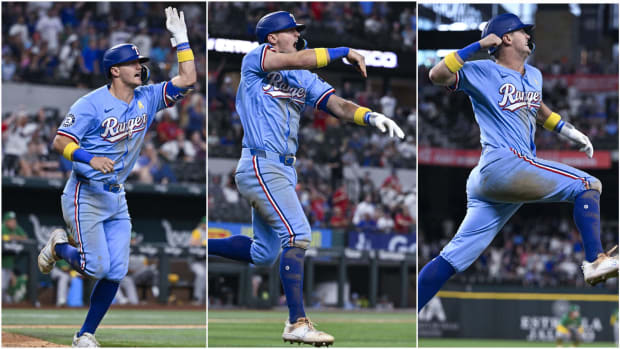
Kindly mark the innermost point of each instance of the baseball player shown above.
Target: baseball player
(506, 96)
(274, 89)
(103, 134)
(570, 328)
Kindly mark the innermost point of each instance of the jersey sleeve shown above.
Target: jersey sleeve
(79, 120)
(470, 77)
(155, 95)
(318, 90)
(252, 67)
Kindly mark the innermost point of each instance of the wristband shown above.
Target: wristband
(361, 116)
(553, 122)
(321, 57)
(452, 63)
(184, 52)
(73, 152)
(68, 151)
(82, 155)
(338, 52)
(466, 52)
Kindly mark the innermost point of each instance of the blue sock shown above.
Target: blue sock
(587, 216)
(292, 276)
(235, 247)
(70, 254)
(431, 279)
(100, 301)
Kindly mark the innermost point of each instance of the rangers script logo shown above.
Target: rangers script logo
(278, 88)
(514, 99)
(113, 131)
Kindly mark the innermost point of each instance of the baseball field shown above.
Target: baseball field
(136, 327)
(496, 343)
(236, 328)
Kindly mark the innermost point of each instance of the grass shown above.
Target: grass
(350, 328)
(497, 343)
(66, 321)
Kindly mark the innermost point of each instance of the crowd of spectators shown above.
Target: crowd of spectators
(528, 251)
(370, 24)
(447, 118)
(174, 150)
(63, 43)
(354, 203)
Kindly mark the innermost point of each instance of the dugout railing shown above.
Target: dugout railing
(163, 255)
(335, 264)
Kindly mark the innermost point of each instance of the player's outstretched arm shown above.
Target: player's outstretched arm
(175, 23)
(352, 112)
(553, 122)
(444, 72)
(72, 152)
(314, 58)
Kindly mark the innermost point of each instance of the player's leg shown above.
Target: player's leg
(278, 207)
(540, 180)
(479, 227)
(236, 247)
(117, 233)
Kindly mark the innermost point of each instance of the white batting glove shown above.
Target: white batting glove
(383, 123)
(570, 132)
(175, 24)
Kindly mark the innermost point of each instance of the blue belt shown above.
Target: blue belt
(111, 187)
(288, 160)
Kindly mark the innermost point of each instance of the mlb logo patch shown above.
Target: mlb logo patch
(69, 120)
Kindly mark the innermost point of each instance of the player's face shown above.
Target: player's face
(130, 73)
(520, 40)
(286, 39)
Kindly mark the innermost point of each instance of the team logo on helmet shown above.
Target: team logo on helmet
(133, 47)
(69, 120)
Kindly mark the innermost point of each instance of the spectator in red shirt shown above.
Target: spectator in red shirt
(167, 128)
(338, 220)
(403, 223)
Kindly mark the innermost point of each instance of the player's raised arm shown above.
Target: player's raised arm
(352, 112)
(553, 122)
(444, 72)
(72, 152)
(313, 58)
(175, 23)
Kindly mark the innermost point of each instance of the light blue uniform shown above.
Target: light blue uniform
(269, 105)
(93, 203)
(508, 174)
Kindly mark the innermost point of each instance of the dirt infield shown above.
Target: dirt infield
(19, 341)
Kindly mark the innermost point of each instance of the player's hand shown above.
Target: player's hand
(358, 61)
(383, 123)
(102, 164)
(175, 23)
(573, 134)
(490, 40)
(587, 146)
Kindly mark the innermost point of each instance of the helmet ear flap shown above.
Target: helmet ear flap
(301, 44)
(145, 74)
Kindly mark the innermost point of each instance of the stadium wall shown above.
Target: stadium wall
(514, 314)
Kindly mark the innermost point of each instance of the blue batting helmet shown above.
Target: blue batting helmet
(121, 53)
(504, 24)
(275, 22)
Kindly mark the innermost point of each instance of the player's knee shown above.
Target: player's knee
(265, 258)
(596, 185)
(101, 271)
